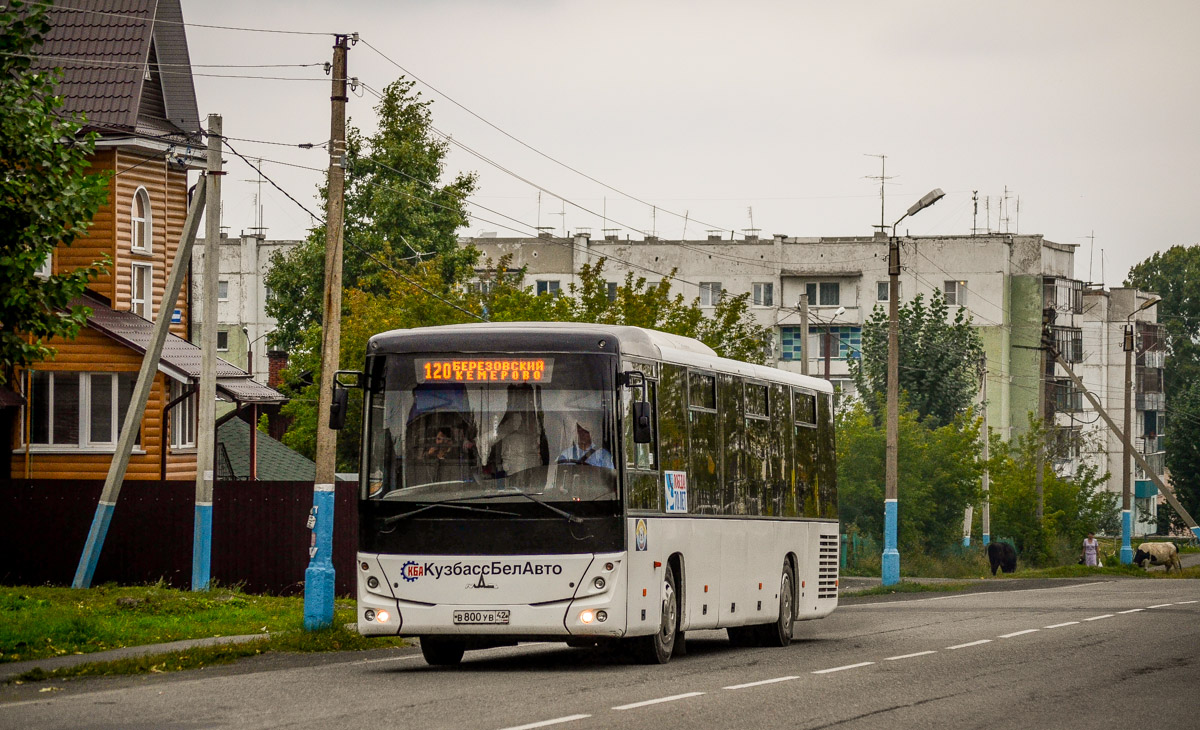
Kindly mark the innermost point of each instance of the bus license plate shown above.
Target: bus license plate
(481, 617)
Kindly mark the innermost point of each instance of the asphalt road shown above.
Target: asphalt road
(1112, 654)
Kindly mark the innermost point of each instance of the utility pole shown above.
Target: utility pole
(1044, 362)
(319, 577)
(137, 400)
(1126, 500)
(804, 331)
(890, 569)
(206, 438)
(986, 518)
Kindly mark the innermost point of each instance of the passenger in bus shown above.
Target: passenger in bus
(583, 451)
(519, 441)
(447, 457)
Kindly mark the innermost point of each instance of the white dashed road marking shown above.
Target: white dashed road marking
(909, 656)
(838, 669)
(1132, 610)
(1161, 605)
(973, 643)
(1097, 618)
(547, 723)
(672, 698)
(1059, 626)
(760, 683)
(1018, 633)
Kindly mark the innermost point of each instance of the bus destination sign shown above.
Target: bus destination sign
(489, 369)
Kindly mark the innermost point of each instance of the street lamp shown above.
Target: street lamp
(1126, 501)
(890, 573)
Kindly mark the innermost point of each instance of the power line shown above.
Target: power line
(160, 21)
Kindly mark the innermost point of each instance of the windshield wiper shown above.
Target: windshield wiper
(570, 517)
(448, 503)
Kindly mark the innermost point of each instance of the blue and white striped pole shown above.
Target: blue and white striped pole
(1126, 535)
(319, 581)
(891, 555)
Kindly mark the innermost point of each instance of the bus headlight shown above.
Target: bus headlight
(599, 583)
(372, 582)
(383, 617)
(587, 616)
(602, 616)
(369, 614)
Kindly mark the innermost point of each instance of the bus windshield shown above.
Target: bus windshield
(460, 427)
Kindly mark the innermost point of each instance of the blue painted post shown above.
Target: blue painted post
(986, 539)
(319, 577)
(202, 547)
(845, 544)
(1126, 534)
(891, 555)
(91, 549)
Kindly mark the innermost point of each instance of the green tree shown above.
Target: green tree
(1174, 275)
(939, 359)
(939, 475)
(1183, 454)
(46, 198)
(1072, 506)
(395, 212)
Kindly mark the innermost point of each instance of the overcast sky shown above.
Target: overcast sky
(1086, 112)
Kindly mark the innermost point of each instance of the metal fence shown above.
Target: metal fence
(260, 538)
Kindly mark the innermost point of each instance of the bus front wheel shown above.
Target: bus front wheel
(441, 652)
(780, 632)
(658, 647)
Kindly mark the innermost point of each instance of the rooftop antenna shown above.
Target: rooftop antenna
(258, 205)
(539, 218)
(686, 213)
(654, 221)
(1091, 255)
(563, 213)
(882, 177)
(974, 212)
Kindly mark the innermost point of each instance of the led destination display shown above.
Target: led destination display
(491, 369)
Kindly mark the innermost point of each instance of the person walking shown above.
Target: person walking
(1091, 550)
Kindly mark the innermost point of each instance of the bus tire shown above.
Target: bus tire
(658, 647)
(440, 651)
(780, 632)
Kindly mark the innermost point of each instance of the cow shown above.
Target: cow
(1002, 555)
(1158, 553)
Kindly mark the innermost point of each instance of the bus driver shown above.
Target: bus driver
(583, 451)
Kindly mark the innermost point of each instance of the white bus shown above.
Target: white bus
(588, 484)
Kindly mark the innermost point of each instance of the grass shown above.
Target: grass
(43, 622)
(905, 586)
(338, 638)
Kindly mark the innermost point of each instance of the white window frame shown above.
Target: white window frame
(141, 228)
(87, 383)
(711, 293)
(955, 293)
(815, 290)
(221, 332)
(763, 294)
(47, 267)
(549, 286)
(183, 417)
(141, 293)
(886, 287)
(222, 290)
(612, 287)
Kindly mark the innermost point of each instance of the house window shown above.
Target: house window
(825, 293)
(223, 290)
(956, 293)
(550, 287)
(881, 290)
(183, 416)
(47, 268)
(710, 293)
(142, 278)
(1069, 341)
(764, 294)
(222, 340)
(141, 222)
(77, 409)
(612, 290)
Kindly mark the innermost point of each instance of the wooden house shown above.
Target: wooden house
(125, 68)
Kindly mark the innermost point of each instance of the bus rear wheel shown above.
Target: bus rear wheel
(780, 632)
(658, 647)
(442, 652)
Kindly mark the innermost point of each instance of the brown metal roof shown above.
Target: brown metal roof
(104, 48)
(180, 359)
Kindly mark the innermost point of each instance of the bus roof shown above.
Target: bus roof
(633, 341)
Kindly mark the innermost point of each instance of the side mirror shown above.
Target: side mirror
(337, 408)
(641, 422)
